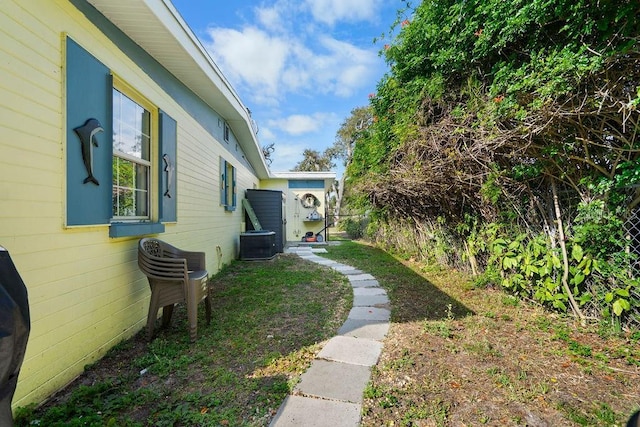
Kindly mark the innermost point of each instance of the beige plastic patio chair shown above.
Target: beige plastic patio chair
(175, 276)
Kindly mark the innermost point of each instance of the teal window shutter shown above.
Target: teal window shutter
(168, 168)
(88, 138)
(233, 188)
(223, 182)
(227, 185)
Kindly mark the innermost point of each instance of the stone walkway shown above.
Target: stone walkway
(330, 391)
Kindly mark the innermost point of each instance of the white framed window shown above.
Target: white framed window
(134, 122)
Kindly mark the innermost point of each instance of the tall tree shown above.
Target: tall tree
(351, 130)
(314, 161)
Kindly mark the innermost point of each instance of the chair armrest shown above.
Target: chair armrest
(195, 260)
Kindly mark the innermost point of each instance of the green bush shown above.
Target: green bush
(353, 227)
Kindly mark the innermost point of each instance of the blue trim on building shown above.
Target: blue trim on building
(128, 229)
(306, 183)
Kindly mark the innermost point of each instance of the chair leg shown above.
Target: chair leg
(151, 316)
(194, 294)
(167, 311)
(192, 313)
(151, 320)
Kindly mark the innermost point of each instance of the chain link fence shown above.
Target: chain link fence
(632, 232)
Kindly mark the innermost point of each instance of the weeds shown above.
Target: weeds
(442, 328)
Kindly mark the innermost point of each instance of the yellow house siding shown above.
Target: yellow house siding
(85, 290)
(199, 193)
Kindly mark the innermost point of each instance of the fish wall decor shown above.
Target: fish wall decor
(87, 134)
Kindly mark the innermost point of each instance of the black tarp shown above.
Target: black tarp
(15, 324)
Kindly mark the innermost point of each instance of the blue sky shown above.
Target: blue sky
(300, 66)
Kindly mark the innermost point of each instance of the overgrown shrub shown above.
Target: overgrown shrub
(505, 139)
(526, 264)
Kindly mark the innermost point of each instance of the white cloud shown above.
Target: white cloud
(298, 124)
(332, 11)
(269, 18)
(266, 135)
(250, 56)
(270, 66)
(345, 68)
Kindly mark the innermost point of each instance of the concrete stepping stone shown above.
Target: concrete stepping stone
(361, 277)
(364, 283)
(324, 261)
(370, 313)
(334, 380)
(353, 272)
(359, 328)
(297, 249)
(356, 351)
(373, 290)
(346, 269)
(370, 300)
(300, 411)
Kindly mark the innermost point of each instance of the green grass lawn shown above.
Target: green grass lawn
(455, 354)
(268, 321)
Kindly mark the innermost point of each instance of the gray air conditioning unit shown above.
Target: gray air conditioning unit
(257, 244)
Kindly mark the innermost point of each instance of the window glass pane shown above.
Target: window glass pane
(141, 178)
(141, 202)
(123, 203)
(145, 141)
(123, 172)
(131, 158)
(117, 112)
(131, 127)
(128, 202)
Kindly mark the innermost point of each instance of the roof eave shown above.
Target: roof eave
(157, 27)
(328, 177)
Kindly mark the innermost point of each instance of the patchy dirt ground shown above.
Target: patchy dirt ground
(499, 362)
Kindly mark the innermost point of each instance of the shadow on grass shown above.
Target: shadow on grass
(413, 298)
